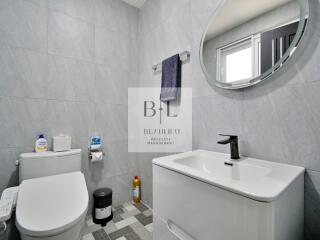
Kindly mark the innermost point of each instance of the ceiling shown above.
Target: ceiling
(135, 3)
(236, 12)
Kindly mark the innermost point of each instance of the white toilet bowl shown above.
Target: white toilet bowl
(53, 207)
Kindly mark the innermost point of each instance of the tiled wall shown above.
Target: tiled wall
(278, 120)
(65, 66)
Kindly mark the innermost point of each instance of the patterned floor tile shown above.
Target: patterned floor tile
(149, 227)
(143, 219)
(130, 222)
(111, 227)
(132, 236)
(122, 238)
(88, 237)
(117, 218)
(125, 222)
(148, 212)
(118, 210)
(141, 231)
(131, 213)
(100, 235)
(127, 204)
(130, 208)
(120, 233)
(90, 222)
(90, 229)
(141, 207)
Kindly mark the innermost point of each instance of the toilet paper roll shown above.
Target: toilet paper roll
(96, 156)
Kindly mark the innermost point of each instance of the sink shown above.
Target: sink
(224, 168)
(203, 195)
(254, 178)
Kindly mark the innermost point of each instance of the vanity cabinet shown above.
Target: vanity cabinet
(186, 208)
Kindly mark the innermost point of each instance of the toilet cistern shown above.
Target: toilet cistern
(233, 141)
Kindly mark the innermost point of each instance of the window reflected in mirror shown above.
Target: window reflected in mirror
(248, 40)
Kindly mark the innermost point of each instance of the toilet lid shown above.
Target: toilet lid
(50, 205)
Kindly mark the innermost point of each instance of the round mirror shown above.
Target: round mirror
(248, 40)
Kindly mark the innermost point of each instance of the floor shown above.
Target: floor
(130, 222)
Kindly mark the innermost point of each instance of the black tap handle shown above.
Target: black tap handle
(226, 135)
(233, 141)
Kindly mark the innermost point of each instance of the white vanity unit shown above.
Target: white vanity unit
(203, 195)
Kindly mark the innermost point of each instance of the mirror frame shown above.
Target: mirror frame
(266, 75)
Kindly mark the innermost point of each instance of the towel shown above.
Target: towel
(170, 79)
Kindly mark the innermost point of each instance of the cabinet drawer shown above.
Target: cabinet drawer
(206, 212)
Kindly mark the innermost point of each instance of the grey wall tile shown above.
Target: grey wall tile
(112, 121)
(112, 48)
(23, 73)
(203, 6)
(24, 24)
(153, 42)
(202, 11)
(9, 172)
(110, 14)
(69, 37)
(49, 84)
(177, 32)
(275, 116)
(145, 170)
(134, 80)
(5, 3)
(82, 9)
(170, 8)
(117, 16)
(132, 14)
(111, 84)
(145, 163)
(301, 131)
(312, 200)
(118, 152)
(122, 188)
(146, 190)
(73, 118)
(70, 79)
(200, 87)
(116, 161)
(209, 119)
(42, 3)
(134, 52)
(21, 121)
(120, 185)
(150, 16)
(148, 78)
(263, 136)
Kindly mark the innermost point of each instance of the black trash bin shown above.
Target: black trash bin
(102, 207)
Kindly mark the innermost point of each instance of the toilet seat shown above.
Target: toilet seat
(47, 206)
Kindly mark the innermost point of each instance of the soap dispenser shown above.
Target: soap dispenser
(41, 144)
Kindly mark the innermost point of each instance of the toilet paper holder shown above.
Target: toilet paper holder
(95, 149)
(90, 151)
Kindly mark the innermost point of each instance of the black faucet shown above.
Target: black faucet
(234, 149)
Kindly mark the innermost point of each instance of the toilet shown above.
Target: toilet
(53, 198)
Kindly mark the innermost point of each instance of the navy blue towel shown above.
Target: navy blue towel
(171, 78)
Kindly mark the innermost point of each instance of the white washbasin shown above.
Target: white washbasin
(257, 179)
